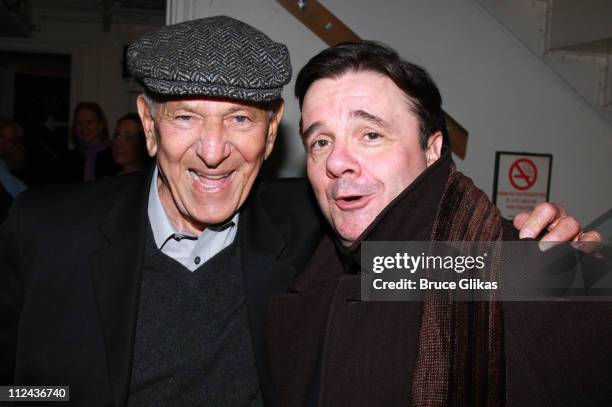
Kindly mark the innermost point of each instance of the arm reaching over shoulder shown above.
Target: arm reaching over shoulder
(553, 219)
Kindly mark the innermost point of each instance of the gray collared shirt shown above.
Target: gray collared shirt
(192, 251)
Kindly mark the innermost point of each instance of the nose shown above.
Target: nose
(212, 147)
(341, 161)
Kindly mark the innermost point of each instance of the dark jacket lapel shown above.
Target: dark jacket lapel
(116, 272)
(280, 228)
(296, 325)
(264, 275)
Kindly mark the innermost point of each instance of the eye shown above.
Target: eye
(184, 118)
(319, 144)
(241, 119)
(372, 136)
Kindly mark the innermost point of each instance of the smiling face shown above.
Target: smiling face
(87, 126)
(209, 152)
(362, 141)
(128, 144)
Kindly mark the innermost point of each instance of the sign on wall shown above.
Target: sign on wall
(522, 180)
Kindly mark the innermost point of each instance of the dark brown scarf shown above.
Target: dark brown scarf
(460, 360)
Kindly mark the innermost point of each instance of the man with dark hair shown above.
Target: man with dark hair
(425, 99)
(379, 163)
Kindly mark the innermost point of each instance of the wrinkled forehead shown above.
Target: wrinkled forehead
(210, 103)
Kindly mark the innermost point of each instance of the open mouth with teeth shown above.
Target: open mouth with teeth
(210, 182)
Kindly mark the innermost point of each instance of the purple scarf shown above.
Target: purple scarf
(90, 152)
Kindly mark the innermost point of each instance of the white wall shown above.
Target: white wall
(506, 98)
(583, 67)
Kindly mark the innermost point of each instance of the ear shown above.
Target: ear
(148, 123)
(273, 128)
(434, 147)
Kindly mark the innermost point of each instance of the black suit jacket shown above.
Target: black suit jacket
(5, 202)
(72, 165)
(70, 273)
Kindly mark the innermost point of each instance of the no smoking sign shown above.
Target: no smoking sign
(522, 180)
(523, 174)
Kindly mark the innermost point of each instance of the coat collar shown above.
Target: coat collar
(116, 272)
(410, 217)
(265, 274)
(260, 232)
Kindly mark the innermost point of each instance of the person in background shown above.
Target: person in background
(12, 145)
(129, 147)
(11, 159)
(92, 157)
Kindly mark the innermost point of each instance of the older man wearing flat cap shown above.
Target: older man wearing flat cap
(151, 290)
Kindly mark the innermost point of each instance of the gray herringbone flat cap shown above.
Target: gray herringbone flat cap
(215, 56)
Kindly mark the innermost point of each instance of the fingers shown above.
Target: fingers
(565, 229)
(519, 220)
(561, 227)
(544, 215)
(588, 242)
(589, 236)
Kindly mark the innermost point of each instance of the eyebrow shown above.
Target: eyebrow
(236, 108)
(180, 106)
(362, 114)
(230, 110)
(311, 129)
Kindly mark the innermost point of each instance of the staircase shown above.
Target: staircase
(572, 38)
